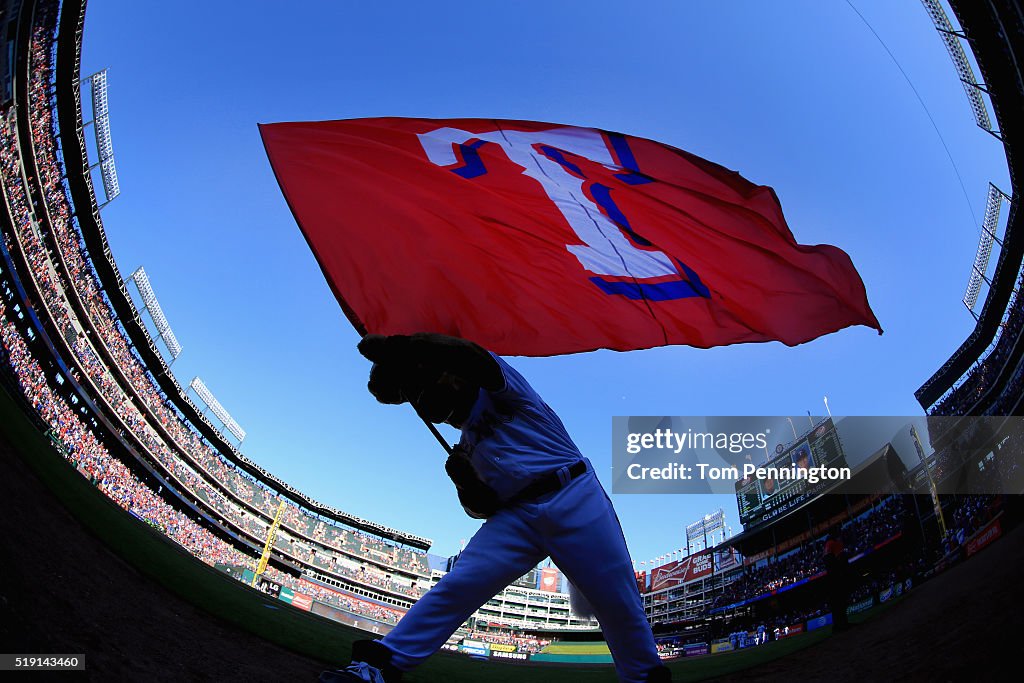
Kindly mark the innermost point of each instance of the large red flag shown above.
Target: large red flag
(539, 239)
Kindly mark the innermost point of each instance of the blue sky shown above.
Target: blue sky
(798, 95)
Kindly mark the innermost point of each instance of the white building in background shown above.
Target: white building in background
(522, 605)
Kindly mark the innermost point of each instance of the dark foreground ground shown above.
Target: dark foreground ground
(67, 587)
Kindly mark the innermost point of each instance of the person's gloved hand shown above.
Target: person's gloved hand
(386, 384)
(426, 351)
(391, 349)
(440, 376)
(397, 376)
(478, 499)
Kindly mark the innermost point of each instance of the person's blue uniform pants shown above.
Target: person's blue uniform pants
(578, 528)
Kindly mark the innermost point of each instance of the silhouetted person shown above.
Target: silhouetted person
(837, 580)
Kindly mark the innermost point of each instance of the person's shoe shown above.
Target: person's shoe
(357, 671)
(371, 663)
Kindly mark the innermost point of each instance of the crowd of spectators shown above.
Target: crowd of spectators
(522, 642)
(113, 478)
(365, 574)
(877, 524)
(51, 286)
(799, 564)
(1010, 395)
(93, 460)
(167, 429)
(981, 377)
(359, 543)
(873, 583)
(867, 585)
(351, 603)
(970, 514)
(962, 467)
(1008, 463)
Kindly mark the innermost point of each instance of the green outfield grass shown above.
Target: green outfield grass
(302, 632)
(566, 648)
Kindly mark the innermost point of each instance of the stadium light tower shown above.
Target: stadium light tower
(217, 408)
(152, 306)
(951, 39)
(101, 128)
(699, 531)
(989, 227)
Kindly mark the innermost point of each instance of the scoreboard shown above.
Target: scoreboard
(761, 500)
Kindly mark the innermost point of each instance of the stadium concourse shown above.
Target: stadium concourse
(95, 413)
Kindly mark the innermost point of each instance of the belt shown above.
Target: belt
(548, 483)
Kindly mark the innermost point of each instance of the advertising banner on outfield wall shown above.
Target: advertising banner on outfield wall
(302, 601)
(514, 656)
(893, 591)
(819, 622)
(695, 649)
(721, 646)
(989, 533)
(861, 606)
(475, 647)
(793, 630)
(502, 647)
(774, 464)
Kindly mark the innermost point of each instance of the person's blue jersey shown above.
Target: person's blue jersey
(513, 436)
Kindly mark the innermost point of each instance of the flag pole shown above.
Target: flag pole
(433, 430)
